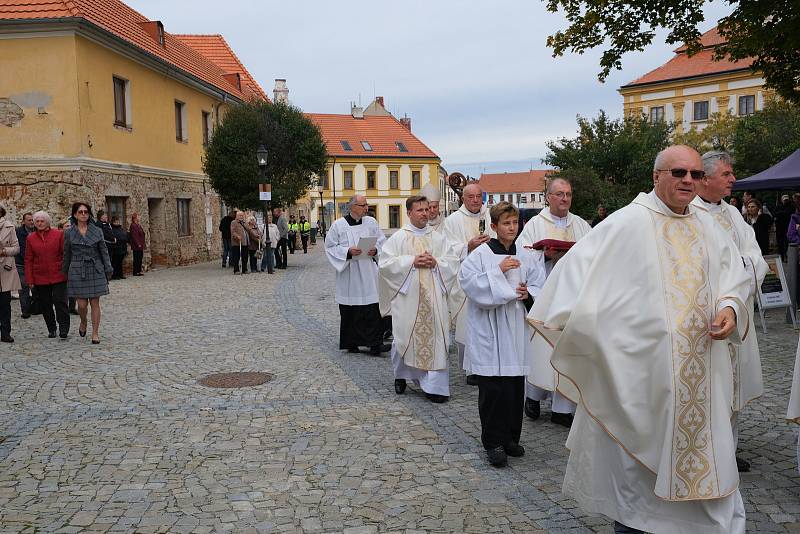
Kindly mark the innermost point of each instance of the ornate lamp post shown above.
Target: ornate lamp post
(261, 157)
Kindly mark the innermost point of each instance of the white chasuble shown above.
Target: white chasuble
(417, 298)
(497, 333)
(356, 280)
(633, 302)
(748, 381)
(459, 228)
(545, 225)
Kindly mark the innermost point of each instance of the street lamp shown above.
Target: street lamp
(261, 157)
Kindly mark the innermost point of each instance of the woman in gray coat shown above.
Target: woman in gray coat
(87, 266)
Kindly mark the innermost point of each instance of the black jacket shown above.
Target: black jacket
(225, 227)
(122, 238)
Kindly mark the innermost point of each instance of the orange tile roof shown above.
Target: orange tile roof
(514, 182)
(124, 22)
(215, 48)
(381, 132)
(701, 64)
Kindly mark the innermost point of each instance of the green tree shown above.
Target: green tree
(296, 152)
(610, 161)
(717, 134)
(766, 137)
(766, 30)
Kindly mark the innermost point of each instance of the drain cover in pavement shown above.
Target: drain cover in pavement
(235, 380)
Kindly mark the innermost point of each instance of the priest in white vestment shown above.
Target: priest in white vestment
(357, 278)
(466, 229)
(553, 222)
(434, 196)
(639, 314)
(416, 267)
(745, 358)
(499, 281)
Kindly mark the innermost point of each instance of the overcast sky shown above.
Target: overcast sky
(476, 78)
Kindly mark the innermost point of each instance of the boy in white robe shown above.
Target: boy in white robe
(416, 267)
(497, 279)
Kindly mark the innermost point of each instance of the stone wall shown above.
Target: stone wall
(154, 198)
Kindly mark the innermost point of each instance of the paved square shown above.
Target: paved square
(120, 437)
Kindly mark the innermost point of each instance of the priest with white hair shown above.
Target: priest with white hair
(417, 267)
(466, 229)
(557, 223)
(641, 340)
(745, 358)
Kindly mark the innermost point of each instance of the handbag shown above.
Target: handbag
(259, 250)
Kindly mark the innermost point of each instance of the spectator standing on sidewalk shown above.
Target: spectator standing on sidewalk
(22, 235)
(108, 232)
(253, 243)
(9, 278)
(292, 234)
(783, 212)
(269, 242)
(225, 230)
(304, 227)
(120, 248)
(137, 236)
(283, 230)
(44, 256)
(239, 243)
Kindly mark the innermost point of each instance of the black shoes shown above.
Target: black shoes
(399, 385)
(26, 315)
(532, 408)
(6, 339)
(497, 457)
(52, 334)
(438, 399)
(742, 465)
(472, 380)
(563, 419)
(353, 350)
(377, 349)
(62, 335)
(514, 449)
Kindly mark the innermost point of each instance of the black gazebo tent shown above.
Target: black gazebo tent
(783, 175)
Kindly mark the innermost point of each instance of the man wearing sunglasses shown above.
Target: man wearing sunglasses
(553, 222)
(745, 358)
(640, 314)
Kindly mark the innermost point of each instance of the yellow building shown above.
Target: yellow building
(102, 105)
(689, 90)
(372, 153)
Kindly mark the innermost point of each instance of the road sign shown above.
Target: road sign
(264, 191)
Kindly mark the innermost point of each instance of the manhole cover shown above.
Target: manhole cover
(235, 380)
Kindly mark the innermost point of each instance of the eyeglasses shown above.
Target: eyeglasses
(82, 212)
(361, 205)
(561, 195)
(680, 173)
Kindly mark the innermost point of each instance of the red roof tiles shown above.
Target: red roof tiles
(514, 182)
(701, 64)
(381, 132)
(215, 48)
(124, 22)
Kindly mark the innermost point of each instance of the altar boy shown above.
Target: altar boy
(498, 280)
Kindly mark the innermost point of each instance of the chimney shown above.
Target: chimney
(154, 29)
(406, 121)
(379, 100)
(356, 111)
(234, 78)
(280, 95)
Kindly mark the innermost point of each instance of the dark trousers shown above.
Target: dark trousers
(137, 261)
(24, 293)
(226, 251)
(116, 263)
(304, 240)
(292, 242)
(501, 400)
(782, 242)
(5, 313)
(53, 296)
(280, 253)
(239, 253)
(253, 262)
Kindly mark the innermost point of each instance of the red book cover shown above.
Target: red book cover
(553, 244)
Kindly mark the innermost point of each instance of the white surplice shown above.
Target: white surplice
(628, 310)
(497, 332)
(459, 227)
(356, 280)
(793, 412)
(748, 382)
(417, 301)
(542, 380)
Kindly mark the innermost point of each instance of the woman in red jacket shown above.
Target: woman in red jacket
(44, 254)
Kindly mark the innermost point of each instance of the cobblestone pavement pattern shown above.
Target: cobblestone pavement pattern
(120, 437)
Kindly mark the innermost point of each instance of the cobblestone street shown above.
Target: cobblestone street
(121, 437)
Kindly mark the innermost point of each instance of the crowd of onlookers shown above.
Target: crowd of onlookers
(266, 246)
(63, 270)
